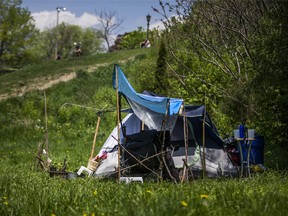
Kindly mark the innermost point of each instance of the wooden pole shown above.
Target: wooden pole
(118, 121)
(46, 126)
(203, 143)
(163, 129)
(186, 145)
(95, 137)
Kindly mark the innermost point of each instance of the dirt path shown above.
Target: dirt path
(45, 83)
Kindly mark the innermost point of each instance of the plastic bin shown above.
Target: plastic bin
(257, 150)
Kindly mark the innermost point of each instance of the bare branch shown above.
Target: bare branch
(109, 24)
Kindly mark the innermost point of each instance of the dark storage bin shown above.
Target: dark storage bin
(257, 150)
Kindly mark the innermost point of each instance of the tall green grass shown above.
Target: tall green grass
(24, 192)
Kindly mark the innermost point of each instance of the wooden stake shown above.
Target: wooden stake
(95, 137)
(46, 127)
(185, 170)
(118, 121)
(163, 128)
(203, 143)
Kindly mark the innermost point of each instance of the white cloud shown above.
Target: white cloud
(48, 19)
(157, 25)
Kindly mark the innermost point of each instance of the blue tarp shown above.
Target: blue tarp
(155, 104)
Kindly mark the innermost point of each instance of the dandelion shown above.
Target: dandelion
(204, 196)
(149, 191)
(95, 193)
(183, 203)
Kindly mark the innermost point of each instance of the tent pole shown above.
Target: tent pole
(203, 143)
(185, 168)
(118, 122)
(163, 128)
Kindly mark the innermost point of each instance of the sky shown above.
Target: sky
(83, 12)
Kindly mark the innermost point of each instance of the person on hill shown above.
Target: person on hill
(145, 44)
(77, 52)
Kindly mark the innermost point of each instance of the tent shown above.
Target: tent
(193, 139)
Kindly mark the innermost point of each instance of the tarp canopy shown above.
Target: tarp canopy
(147, 107)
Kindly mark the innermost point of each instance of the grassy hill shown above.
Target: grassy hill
(34, 76)
(76, 90)
(89, 86)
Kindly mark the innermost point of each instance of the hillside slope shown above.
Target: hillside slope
(45, 75)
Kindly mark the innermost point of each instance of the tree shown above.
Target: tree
(109, 24)
(17, 33)
(210, 44)
(270, 78)
(235, 50)
(67, 35)
(162, 84)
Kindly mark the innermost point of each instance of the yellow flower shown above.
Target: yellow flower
(53, 214)
(84, 214)
(149, 191)
(95, 193)
(204, 196)
(93, 214)
(5, 203)
(183, 203)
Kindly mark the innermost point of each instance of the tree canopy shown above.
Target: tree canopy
(229, 54)
(17, 32)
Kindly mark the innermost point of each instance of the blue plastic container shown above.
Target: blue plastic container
(257, 150)
(241, 131)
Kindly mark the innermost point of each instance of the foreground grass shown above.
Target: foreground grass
(24, 192)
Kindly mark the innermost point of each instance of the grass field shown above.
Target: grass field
(24, 191)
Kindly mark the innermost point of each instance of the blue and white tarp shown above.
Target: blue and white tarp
(152, 110)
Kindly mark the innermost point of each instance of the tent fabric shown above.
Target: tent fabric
(216, 159)
(155, 104)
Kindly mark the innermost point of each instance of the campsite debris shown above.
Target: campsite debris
(61, 172)
(83, 168)
(94, 162)
(131, 179)
(43, 164)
